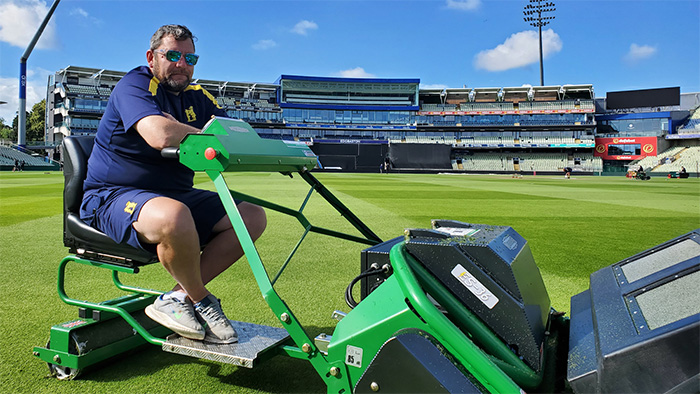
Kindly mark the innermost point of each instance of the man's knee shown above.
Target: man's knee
(255, 219)
(162, 218)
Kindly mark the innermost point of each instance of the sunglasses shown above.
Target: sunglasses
(174, 56)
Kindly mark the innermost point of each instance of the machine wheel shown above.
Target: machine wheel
(65, 373)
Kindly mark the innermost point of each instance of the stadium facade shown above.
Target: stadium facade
(359, 124)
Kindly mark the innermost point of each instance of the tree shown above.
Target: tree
(6, 132)
(36, 125)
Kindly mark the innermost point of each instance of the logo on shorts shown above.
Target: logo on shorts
(130, 207)
(191, 116)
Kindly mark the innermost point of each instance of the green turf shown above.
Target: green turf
(574, 227)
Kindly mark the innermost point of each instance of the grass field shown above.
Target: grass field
(574, 227)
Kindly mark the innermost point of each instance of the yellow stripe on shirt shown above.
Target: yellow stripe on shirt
(153, 86)
(206, 93)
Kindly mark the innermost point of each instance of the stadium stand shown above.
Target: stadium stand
(9, 155)
(651, 163)
(692, 126)
(527, 162)
(687, 157)
(544, 127)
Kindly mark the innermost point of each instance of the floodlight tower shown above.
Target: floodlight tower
(22, 121)
(534, 16)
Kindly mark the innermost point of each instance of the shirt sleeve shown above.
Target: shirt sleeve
(134, 101)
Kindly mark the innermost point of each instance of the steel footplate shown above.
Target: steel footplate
(253, 341)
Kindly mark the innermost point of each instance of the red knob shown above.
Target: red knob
(210, 153)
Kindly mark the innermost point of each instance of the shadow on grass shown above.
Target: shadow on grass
(278, 374)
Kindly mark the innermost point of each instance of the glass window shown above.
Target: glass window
(624, 149)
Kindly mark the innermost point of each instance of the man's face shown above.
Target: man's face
(174, 76)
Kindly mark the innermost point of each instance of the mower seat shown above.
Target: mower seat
(83, 240)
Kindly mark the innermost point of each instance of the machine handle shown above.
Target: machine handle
(170, 153)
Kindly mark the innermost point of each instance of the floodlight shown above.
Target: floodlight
(539, 21)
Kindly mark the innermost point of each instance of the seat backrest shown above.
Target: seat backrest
(76, 151)
(80, 238)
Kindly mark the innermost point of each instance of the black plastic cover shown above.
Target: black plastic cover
(637, 329)
(492, 271)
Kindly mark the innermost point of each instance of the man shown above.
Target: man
(138, 197)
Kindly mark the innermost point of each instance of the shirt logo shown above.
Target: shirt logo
(130, 207)
(191, 117)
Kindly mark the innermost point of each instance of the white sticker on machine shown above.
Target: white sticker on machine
(474, 286)
(353, 356)
(458, 231)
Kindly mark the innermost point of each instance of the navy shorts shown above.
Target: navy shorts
(113, 210)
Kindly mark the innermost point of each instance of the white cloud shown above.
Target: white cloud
(19, 22)
(84, 15)
(264, 45)
(9, 92)
(303, 27)
(518, 50)
(433, 86)
(463, 5)
(639, 52)
(79, 11)
(357, 72)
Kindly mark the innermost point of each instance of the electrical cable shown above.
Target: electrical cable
(348, 291)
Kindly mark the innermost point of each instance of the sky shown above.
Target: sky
(614, 45)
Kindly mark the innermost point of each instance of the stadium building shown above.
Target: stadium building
(361, 124)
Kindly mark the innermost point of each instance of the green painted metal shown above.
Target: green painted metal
(520, 372)
(368, 237)
(124, 314)
(121, 286)
(454, 340)
(61, 346)
(340, 207)
(399, 305)
(239, 148)
(63, 351)
(291, 254)
(375, 320)
(274, 301)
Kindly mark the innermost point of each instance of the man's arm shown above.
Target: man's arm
(163, 131)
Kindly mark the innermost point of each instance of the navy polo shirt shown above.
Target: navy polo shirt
(121, 157)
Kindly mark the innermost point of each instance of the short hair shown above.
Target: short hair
(178, 32)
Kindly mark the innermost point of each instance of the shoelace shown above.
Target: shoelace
(212, 312)
(180, 306)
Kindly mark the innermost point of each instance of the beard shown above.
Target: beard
(175, 86)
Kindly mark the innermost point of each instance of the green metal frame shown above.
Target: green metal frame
(399, 304)
(496, 367)
(305, 347)
(60, 351)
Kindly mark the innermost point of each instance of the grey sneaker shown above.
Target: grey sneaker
(217, 326)
(176, 315)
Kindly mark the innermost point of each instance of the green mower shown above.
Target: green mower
(456, 307)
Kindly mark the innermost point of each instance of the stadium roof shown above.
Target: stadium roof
(352, 80)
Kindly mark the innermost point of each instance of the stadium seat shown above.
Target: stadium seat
(81, 239)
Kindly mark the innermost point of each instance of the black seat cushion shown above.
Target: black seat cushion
(80, 238)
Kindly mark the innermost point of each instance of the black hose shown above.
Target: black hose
(348, 291)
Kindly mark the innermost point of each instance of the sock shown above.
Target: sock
(204, 303)
(178, 295)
